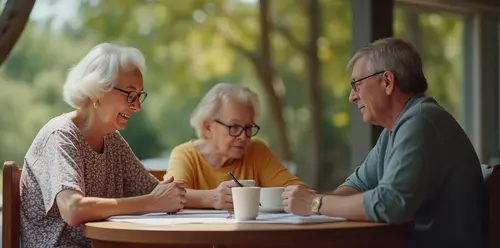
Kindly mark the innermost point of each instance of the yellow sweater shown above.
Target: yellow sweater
(259, 163)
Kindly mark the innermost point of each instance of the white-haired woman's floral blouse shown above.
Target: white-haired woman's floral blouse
(59, 159)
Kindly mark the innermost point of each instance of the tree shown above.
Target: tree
(185, 22)
(31, 92)
(187, 48)
(264, 68)
(262, 61)
(12, 23)
(314, 90)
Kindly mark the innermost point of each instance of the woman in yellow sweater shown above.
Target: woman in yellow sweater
(224, 121)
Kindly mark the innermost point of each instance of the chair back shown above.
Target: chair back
(11, 212)
(156, 166)
(158, 174)
(491, 175)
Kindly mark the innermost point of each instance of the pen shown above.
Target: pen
(238, 183)
(235, 180)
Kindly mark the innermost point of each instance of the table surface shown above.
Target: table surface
(341, 233)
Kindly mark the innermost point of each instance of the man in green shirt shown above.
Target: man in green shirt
(423, 168)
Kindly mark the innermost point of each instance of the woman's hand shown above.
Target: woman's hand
(168, 196)
(222, 196)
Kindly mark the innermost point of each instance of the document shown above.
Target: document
(292, 219)
(221, 216)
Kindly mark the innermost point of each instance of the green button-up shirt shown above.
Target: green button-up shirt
(425, 170)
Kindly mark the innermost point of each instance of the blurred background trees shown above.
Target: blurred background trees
(294, 56)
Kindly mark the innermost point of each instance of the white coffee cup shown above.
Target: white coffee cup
(270, 197)
(246, 202)
(247, 183)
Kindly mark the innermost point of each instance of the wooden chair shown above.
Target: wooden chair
(156, 166)
(491, 174)
(158, 174)
(11, 226)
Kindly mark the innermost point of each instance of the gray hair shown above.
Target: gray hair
(96, 73)
(397, 56)
(222, 93)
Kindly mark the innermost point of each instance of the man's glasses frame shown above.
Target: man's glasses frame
(355, 84)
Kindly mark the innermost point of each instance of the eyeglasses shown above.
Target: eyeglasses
(132, 96)
(236, 130)
(355, 84)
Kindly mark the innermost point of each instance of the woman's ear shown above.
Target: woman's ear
(93, 101)
(207, 128)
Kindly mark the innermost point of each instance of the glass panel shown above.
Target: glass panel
(439, 38)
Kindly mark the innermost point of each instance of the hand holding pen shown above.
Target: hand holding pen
(238, 183)
(222, 196)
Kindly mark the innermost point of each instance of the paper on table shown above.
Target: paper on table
(201, 211)
(184, 217)
(182, 213)
(171, 221)
(221, 217)
(292, 219)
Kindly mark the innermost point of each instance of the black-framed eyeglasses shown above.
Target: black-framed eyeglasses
(132, 96)
(355, 84)
(236, 130)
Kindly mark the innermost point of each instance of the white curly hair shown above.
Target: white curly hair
(96, 73)
(222, 93)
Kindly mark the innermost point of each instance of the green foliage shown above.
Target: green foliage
(31, 80)
(191, 45)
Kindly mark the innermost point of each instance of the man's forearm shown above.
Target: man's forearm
(345, 191)
(349, 207)
(199, 198)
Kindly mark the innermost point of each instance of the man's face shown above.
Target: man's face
(368, 91)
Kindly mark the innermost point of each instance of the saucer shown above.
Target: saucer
(272, 209)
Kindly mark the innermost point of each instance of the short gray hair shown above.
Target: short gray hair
(96, 73)
(220, 94)
(397, 56)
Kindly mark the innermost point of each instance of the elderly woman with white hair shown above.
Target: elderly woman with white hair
(79, 168)
(225, 124)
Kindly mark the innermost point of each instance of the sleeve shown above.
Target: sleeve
(271, 172)
(364, 176)
(180, 167)
(59, 167)
(413, 169)
(137, 180)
